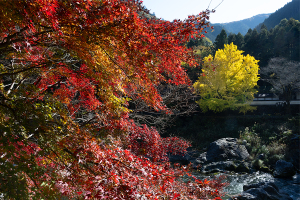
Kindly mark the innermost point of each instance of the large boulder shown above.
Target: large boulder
(284, 169)
(224, 149)
(201, 159)
(223, 166)
(296, 179)
(225, 154)
(261, 191)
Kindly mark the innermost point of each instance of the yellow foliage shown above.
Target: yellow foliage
(228, 80)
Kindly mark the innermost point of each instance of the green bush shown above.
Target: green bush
(270, 141)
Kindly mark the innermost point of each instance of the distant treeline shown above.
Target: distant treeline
(264, 44)
(290, 10)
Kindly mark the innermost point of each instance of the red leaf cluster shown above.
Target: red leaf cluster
(67, 72)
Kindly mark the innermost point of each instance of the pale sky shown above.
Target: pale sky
(228, 10)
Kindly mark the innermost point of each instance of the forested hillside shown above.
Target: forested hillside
(290, 10)
(212, 34)
(241, 26)
(279, 37)
(282, 41)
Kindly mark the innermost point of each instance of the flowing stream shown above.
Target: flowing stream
(289, 186)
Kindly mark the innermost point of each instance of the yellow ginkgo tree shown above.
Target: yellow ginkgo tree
(228, 81)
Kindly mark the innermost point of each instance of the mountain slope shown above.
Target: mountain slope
(212, 34)
(244, 25)
(290, 10)
(241, 26)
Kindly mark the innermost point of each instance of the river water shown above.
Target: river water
(237, 181)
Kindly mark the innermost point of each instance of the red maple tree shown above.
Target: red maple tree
(67, 71)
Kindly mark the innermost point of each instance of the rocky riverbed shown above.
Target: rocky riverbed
(288, 187)
(248, 180)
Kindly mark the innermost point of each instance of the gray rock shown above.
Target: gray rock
(243, 196)
(225, 154)
(284, 169)
(257, 185)
(296, 179)
(201, 159)
(261, 191)
(218, 167)
(226, 149)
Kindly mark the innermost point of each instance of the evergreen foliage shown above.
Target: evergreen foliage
(221, 40)
(282, 41)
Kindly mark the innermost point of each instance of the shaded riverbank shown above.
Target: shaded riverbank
(237, 181)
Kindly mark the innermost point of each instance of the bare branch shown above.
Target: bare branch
(179, 100)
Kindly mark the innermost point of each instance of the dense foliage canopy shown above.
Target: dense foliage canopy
(227, 81)
(221, 40)
(67, 72)
(264, 44)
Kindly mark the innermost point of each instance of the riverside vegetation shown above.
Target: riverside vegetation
(268, 135)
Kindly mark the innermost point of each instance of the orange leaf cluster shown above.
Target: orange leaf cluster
(68, 70)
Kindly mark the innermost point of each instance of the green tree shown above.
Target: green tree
(292, 39)
(263, 48)
(228, 81)
(221, 40)
(281, 41)
(253, 43)
(263, 26)
(290, 10)
(239, 41)
(231, 38)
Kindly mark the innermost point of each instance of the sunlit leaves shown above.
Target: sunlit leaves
(67, 72)
(228, 81)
